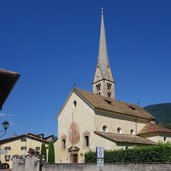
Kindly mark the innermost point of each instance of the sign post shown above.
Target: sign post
(100, 157)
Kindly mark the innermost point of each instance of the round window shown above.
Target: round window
(104, 128)
(132, 132)
(119, 130)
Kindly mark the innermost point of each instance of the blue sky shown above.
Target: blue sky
(54, 44)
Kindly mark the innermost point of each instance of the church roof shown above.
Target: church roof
(151, 127)
(103, 59)
(7, 81)
(125, 138)
(104, 103)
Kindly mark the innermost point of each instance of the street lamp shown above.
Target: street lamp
(5, 126)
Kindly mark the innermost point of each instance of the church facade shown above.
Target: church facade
(91, 119)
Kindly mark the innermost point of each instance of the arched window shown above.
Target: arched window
(164, 138)
(86, 140)
(132, 132)
(63, 144)
(104, 128)
(119, 130)
(75, 103)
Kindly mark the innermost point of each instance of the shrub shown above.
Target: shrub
(51, 153)
(43, 151)
(138, 154)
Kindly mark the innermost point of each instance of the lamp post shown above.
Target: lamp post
(5, 126)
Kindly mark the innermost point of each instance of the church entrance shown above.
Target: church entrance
(73, 151)
(74, 158)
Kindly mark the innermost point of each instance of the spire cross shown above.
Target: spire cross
(102, 10)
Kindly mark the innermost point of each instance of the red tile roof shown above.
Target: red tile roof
(125, 138)
(29, 135)
(104, 103)
(152, 127)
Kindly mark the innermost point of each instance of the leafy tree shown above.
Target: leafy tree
(43, 151)
(51, 153)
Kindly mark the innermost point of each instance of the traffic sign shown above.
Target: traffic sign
(100, 152)
(100, 156)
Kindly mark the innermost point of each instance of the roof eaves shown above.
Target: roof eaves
(12, 139)
(84, 99)
(150, 142)
(124, 114)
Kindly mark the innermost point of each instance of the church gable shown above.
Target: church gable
(75, 112)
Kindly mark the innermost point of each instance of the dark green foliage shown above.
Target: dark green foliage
(51, 153)
(156, 153)
(43, 151)
(166, 125)
(162, 112)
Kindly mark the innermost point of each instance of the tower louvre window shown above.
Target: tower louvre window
(98, 87)
(109, 94)
(109, 86)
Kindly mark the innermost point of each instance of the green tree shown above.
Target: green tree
(51, 153)
(43, 151)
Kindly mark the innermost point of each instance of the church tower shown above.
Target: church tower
(103, 83)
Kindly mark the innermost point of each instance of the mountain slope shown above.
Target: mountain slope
(162, 112)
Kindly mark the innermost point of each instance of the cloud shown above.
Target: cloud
(3, 114)
(6, 115)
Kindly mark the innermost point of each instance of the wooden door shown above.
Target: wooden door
(74, 158)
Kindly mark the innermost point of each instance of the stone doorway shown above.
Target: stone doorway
(73, 151)
(74, 158)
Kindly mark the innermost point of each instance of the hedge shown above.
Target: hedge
(138, 154)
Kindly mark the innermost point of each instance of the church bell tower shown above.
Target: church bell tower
(103, 83)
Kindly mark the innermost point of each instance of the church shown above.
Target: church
(90, 119)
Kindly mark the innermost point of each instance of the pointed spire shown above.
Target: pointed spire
(103, 60)
(103, 83)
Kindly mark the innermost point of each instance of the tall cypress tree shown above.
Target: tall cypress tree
(51, 153)
(43, 151)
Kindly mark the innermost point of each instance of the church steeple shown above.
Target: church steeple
(103, 83)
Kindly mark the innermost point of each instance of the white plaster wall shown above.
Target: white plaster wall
(158, 137)
(83, 115)
(114, 121)
(16, 148)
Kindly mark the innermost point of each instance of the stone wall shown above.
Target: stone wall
(108, 167)
(31, 163)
